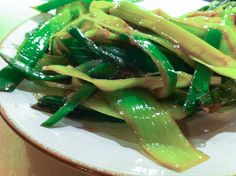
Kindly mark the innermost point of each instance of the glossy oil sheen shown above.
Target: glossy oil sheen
(99, 145)
(157, 133)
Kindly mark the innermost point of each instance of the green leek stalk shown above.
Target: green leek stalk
(97, 103)
(92, 47)
(174, 105)
(149, 82)
(168, 73)
(219, 96)
(120, 48)
(30, 72)
(98, 14)
(62, 42)
(195, 48)
(202, 75)
(9, 79)
(84, 92)
(199, 27)
(33, 48)
(228, 17)
(78, 96)
(228, 39)
(157, 133)
(52, 4)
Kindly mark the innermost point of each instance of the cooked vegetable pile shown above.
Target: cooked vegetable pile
(141, 66)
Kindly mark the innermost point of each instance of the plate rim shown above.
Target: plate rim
(40, 147)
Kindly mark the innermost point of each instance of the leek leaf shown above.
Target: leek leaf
(157, 133)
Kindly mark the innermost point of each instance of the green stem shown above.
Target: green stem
(9, 79)
(190, 43)
(157, 132)
(202, 76)
(119, 26)
(28, 71)
(168, 73)
(33, 48)
(52, 4)
(84, 92)
(221, 95)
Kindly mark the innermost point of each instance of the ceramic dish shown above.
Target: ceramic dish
(102, 147)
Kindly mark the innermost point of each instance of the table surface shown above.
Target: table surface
(17, 158)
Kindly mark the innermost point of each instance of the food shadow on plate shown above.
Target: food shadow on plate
(201, 127)
(91, 121)
(101, 125)
(198, 128)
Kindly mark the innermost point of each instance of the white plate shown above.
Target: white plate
(106, 148)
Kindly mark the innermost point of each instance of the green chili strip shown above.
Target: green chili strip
(202, 74)
(157, 133)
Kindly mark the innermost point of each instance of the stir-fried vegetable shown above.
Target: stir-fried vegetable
(157, 132)
(142, 67)
(202, 74)
(74, 100)
(85, 91)
(33, 48)
(197, 49)
(217, 97)
(52, 4)
(166, 70)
